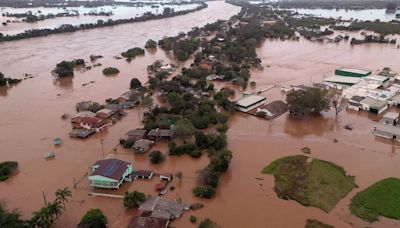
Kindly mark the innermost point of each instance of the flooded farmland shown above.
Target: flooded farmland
(31, 118)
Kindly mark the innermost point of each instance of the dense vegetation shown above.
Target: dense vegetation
(383, 28)
(156, 157)
(6, 168)
(380, 199)
(133, 52)
(317, 183)
(333, 4)
(133, 199)
(94, 218)
(310, 100)
(110, 71)
(66, 68)
(151, 44)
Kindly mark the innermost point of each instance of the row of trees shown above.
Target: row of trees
(100, 23)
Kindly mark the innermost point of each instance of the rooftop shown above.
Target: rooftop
(388, 128)
(342, 80)
(250, 100)
(148, 222)
(275, 107)
(164, 208)
(137, 132)
(378, 78)
(357, 71)
(391, 115)
(357, 98)
(110, 168)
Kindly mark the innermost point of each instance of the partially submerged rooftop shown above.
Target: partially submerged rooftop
(110, 168)
(163, 208)
(250, 100)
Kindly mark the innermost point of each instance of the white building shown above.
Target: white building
(250, 102)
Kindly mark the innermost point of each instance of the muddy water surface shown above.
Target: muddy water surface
(30, 119)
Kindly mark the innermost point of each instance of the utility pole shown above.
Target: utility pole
(102, 146)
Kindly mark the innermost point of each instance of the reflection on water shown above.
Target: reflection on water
(316, 125)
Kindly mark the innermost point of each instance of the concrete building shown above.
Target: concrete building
(341, 82)
(374, 106)
(272, 110)
(349, 72)
(354, 103)
(382, 80)
(387, 131)
(390, 118)
(250, 102)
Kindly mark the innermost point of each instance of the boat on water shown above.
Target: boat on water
(57, 141)
(49, 155)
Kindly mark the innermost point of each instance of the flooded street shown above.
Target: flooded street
(31, 118)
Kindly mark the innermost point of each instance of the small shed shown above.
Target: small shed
(166, 176)
(143, 174)
(142, 146)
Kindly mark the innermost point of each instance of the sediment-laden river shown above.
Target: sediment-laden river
(30, 117)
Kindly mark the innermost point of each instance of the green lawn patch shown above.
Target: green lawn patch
(312, 223)
(381, 198)
(270, 169)
(327, 183)
(313, 182)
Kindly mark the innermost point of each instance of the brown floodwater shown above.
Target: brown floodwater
(31, 118)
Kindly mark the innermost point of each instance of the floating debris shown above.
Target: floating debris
(306, 150)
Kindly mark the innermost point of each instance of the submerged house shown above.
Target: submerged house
(250, 102)
(146, 221)
(110, 173)
(159, 134)
(354, 103)
(374, 106)
(135, 135)
(93, 123)
(158, 207)
(272, 110)
(142, 146)
(105, 113)
(76, 119)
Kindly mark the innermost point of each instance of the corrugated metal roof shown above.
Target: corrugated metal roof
(250, 100)
(342, 79)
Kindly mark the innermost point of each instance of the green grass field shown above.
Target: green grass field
(380, 199)
(312, 223)
(314, 183)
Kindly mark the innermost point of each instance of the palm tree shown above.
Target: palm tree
(55, 209)
(62, 195)
(42, 218)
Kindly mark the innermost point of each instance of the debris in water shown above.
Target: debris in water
(306, 150)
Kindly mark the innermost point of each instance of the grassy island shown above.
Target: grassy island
(381, 198)
(310, 181)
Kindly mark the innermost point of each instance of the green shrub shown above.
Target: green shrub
(204, 191)
(193, 219)
(156, 157)
(110, 71)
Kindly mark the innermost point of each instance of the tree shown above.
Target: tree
(55, 209)
(94, 218)
(110, 71)
(135, 83)
(253, 85)
(133, 199)
(311, 100)
(151, 44)
(184, 128)
(204, 191)
(156, 157)
(208, 223)
(11, 219)
(62, 195)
